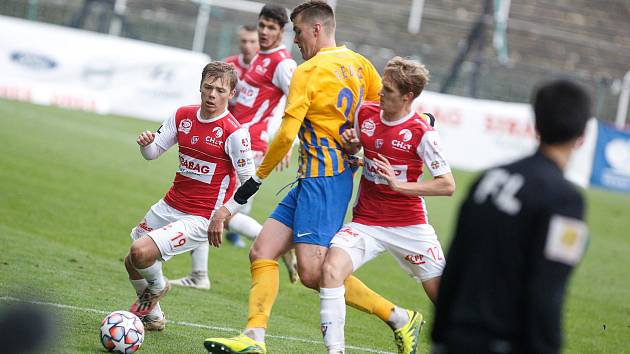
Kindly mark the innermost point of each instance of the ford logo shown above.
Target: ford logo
(33, 61)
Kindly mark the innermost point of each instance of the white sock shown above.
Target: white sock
(333, 317)
(257, 334)
(154, 276)
(398, 318)
(245, 225)
(200, 260)
(139, 285)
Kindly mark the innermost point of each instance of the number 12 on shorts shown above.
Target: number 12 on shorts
(435, 253)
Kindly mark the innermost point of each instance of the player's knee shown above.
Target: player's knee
(128, 264)
(138, 254)
(261, 251)
(309, 279)
(255, 253)
(431, 288)
(331, 275)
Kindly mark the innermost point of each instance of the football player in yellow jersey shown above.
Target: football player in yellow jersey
(325, 91)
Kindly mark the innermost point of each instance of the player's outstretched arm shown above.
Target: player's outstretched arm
(145, 138)
(148, 149)
(442, 185)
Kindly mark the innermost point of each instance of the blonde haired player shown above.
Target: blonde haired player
(213, 150)
(390, 212)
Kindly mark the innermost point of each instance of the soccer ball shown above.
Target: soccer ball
(122, 332)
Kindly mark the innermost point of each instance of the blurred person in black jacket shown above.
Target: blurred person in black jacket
(519, 235)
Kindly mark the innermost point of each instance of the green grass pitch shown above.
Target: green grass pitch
(72, 184)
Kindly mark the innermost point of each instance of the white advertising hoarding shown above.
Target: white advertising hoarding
(479, 134)
(54, 65)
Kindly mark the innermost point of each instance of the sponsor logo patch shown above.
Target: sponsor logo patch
(185, 125)
(566, 240)
(368, 127)
(406, 134)
(33, 61)
(378, 143)
(218, 132)
(415, 259)
(194, 139)
(243, 162)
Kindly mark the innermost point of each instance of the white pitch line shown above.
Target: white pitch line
(185, 324)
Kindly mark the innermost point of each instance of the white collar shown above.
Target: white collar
(280, 47)
(202, 120)
(397, 121)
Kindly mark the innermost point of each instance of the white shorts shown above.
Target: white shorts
(416, 247)
(172, 231)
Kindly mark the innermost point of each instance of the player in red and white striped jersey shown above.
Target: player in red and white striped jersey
(213, 150)
(248, 46)
(390, 212)
(263, 85)
(198, 277)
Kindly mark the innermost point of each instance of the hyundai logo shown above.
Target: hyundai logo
(33, 61)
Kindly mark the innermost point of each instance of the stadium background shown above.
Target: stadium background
(71, 188)
(588, 41)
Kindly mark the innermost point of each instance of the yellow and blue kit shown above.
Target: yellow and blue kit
(324, 93)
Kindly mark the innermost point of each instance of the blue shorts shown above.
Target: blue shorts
(315, 209)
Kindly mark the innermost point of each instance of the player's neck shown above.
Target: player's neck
(247, 58)
(395, 116)
(206, 115)
(326, 42)
(558, 153)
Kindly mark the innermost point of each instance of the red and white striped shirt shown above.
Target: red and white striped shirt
(238, 63)
(260, 90)
(211, 154)
(408, 144)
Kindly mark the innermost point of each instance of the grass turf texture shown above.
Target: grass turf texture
(73, 184)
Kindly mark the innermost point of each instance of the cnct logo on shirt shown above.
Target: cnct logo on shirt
(402, 144)
(210, 140)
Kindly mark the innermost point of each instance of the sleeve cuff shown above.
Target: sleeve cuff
(232, 206)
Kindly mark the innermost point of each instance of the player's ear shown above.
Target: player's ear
(317, 28)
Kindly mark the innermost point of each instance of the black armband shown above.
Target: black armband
(246, 191)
